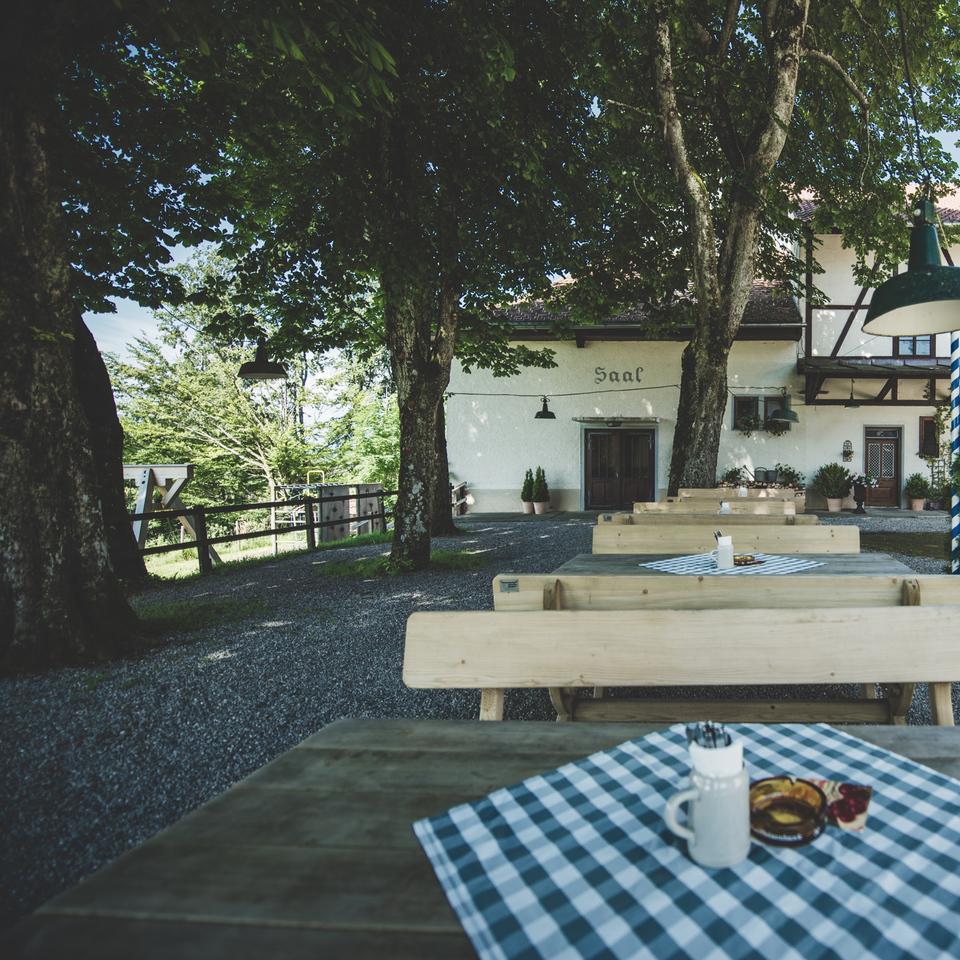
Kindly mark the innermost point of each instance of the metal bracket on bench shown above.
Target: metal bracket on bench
(563, 699)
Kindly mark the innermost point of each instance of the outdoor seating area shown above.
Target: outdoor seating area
(480, 480)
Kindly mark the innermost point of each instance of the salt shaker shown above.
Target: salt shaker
(718, 834)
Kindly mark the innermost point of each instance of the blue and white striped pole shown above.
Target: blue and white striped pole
(954, 450)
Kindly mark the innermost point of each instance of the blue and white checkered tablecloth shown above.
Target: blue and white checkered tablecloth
(578, 862)
(705, 564)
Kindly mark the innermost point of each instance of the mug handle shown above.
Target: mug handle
(670, 812)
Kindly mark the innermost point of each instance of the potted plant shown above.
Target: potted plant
(832, 482)
(731, 478)
(526, 492)
(541, 493)
(787, 476)
(749, 424)
(862, 482)
(917, 489)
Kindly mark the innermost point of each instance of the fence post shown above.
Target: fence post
(308, 519)
(203, 549)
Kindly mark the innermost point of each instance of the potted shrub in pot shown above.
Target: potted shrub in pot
(526, 492)
(917, 489)
(832, 482)
(541, 494)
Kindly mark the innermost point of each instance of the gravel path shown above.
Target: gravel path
(94, 761)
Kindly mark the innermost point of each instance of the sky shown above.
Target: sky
(114, 332)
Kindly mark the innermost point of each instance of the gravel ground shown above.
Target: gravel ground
(94, 761)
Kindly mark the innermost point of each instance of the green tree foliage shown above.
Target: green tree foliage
(438, 208)
(360, 425)
(713, 118)
(181, 402)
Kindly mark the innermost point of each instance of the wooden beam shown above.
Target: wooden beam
(813, 385)
(873, 402)
(886, 388)
(627, 710)
(849, 323)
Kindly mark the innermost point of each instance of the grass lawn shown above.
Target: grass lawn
(185, 616)
(182, 565)
(934, 545)
(380, 565)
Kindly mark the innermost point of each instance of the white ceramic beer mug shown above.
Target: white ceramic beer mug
(718, 816)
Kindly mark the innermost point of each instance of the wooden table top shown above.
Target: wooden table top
(833, 564)
(314, 856)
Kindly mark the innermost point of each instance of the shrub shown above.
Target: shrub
(832, 481)
(732, 477)
(526, 491)
(917, 487)
(541, 493)
(788, 477)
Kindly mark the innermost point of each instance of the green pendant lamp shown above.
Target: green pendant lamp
(925, 299)
(783, 413)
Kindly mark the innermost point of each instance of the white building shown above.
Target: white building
(606, 449)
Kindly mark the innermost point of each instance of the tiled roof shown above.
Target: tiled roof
(948, 207)
(767, 305)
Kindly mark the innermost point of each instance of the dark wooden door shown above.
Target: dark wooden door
(619, 468)
(882, 460)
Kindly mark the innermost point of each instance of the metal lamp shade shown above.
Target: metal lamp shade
(925, 299)
(544, 413)
(783, 413)
(260, 368)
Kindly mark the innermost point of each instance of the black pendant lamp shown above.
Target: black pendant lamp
(544, 413)
(783, 413)
(260, 368)
(925, 299)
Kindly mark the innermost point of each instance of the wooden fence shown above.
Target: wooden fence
(198, 515)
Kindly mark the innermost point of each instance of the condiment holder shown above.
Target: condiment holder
(718, 817)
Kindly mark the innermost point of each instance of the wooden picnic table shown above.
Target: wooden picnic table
(832, 564)
(314, 856)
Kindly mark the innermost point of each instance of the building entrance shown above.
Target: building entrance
(882, 460)
(619, 468)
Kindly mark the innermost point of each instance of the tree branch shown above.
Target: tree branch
(697, 200)
(729, 25)
(770, 134)
(835, 66)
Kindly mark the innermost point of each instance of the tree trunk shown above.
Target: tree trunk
(418, 400)
(420, 354)
(60, 600)
(100, 410)
(703, 401)
(441, 521)
(722, 279)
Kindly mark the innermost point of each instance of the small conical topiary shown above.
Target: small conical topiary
(540, 492)
(526, 491)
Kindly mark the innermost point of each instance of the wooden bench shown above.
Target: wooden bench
(733, 493)
(748, 507)
(563, 650)
(678, 538)
(714, 519)
(519, 592)
(537, 591)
